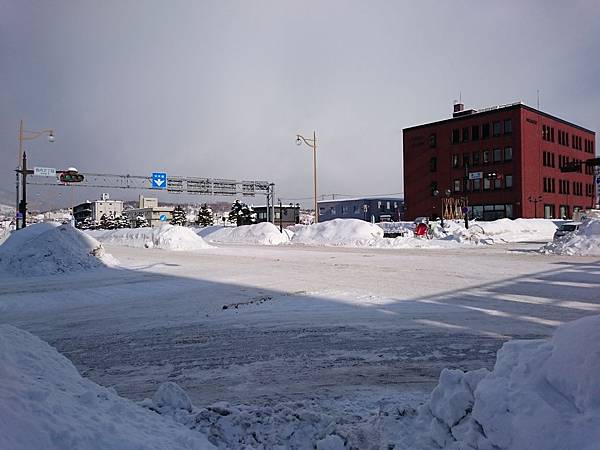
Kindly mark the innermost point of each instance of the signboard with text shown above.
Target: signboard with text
(44, 171)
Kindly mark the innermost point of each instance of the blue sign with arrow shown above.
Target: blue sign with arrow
(159, 180)
(163, 218)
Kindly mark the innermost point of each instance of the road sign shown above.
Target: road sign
(19, 215)
(44, 171)
(159, 180)
(163, 218)
(475, 175)
(598, 180)
(465, 209)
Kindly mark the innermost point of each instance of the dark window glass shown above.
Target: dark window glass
(433, 188)
(497, 155)
(507, 126)
(485, 131)
(455, 136)
(432, 140)
(476, 185)
(497, 129)
(497, 183)
(432, 164)
(476, 156)
(508, 154)
(466, 159)
(508, 181)
(455, 160)
(457, 185)
(465, 134)
(551, 134)
(475, 132)
(486, 156)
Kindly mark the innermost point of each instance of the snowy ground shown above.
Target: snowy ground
(357, 335)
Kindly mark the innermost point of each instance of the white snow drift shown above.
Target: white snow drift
(165, 237)
(45, 403)
(343, 232)
(264, 233)
(541, 394)
(584, 242)
(51, 248)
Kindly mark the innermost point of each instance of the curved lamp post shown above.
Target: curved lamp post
(312, 143)
(26, 135)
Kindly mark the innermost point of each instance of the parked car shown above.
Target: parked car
(565, 229)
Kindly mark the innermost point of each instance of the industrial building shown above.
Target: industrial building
(383, 209)
(98, 208)
(497, 162)
(148, 208)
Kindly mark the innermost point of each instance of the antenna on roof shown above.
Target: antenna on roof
(538, 99)
(459, 97)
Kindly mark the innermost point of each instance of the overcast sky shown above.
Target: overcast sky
(220, 88)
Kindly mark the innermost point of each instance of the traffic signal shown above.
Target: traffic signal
(70, 176)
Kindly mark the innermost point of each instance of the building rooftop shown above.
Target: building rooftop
(492, 109)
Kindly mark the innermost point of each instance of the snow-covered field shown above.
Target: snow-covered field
(307, 346)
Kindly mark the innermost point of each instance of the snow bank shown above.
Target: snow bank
(51, 248)
(541, 394)
(584, 242)
(338, 232)
(165, 237)
(45, 403)
(518, 230)
(264, 233)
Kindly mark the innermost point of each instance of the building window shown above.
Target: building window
(477, 185)
(432, 140)
(497, 155)
(434, 188)
(508, 181)
(507, 126)
(466, 159)
(497, 183)
(457, 185)
(508, 154)
(476, 156)
(455, 160)
(465, 134)
(332, 210)
(486, 156)
(455, 136)
(475, 132)
(433, 164)
(355, 209)
(345, 209)
(486, 184)
(563, 211)
(551, 134)
(548, 211)
(496, 128)
(485, 131)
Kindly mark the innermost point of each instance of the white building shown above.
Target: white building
(106, 206)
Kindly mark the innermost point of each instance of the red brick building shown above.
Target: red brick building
(502, 161)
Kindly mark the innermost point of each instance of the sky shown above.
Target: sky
(220, 89)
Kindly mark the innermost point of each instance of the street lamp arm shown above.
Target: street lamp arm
(309, 142)
(35, 134)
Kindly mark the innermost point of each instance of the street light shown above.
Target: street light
(535, 201)
(26, 135)
(312, 143)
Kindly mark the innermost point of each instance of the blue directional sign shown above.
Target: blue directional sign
(163, 218)
(159, 180)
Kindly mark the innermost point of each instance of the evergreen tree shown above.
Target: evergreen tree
(241, 214)
(141, 222)
(179, 217)
(205, 216)
(122, 222)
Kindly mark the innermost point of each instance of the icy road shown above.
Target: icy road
(256, 325)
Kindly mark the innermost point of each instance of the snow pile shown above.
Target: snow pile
(264, 233)
(165, 237)
(338, 232)
(583, 242)
(49, 249)
(518, 230)
(45, 403)
(541, 394)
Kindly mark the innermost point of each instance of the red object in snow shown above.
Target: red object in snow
(421, 230)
